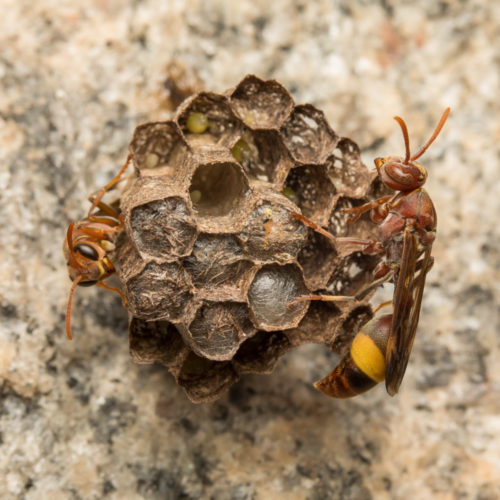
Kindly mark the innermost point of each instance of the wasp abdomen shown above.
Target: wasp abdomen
(364, 366)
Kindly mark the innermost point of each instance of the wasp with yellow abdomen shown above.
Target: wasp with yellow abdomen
(407, 225)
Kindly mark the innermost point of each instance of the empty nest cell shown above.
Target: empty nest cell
(345, 169)
(308, 136)
(204, 379)
(218, 189)
(261, 104)
(313, 191)
(262, 155)
(318, 259)
(156, 342)
(155, 145)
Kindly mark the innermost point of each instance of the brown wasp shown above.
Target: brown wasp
(89, 242)
(407, 223)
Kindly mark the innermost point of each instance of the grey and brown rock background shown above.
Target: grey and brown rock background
(79, 419)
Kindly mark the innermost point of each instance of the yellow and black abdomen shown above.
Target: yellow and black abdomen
(364, 366)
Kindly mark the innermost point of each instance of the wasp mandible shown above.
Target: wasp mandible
(89, 242)
(407, 224)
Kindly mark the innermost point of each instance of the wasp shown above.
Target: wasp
(407, 226)
(89, 243)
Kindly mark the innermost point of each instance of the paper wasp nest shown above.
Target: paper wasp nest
(211, 255)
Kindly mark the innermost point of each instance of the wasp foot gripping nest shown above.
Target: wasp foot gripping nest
(211, 256)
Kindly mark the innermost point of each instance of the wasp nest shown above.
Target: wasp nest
(211, 256)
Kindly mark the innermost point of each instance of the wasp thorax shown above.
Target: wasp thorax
(212, 256)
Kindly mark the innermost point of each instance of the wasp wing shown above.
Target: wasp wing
(407, 300)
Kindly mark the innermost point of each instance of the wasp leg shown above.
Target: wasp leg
(313, 225)
(108, 186)
(429, 265)
(115, 225)
(368, 247)
(371, 247)
(374, 284)
(113, 289)
(371, 205)
(384, 304)
(103, 207)
(328, 298)
(103, 234)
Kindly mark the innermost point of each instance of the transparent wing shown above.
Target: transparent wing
(407, 300)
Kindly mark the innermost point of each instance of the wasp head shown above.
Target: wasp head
(87, 262)
(406, 174)
(86, 259)
(400, 176)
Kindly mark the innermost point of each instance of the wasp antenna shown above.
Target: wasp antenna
(68, 309)
(433, 136)
(402, 124)
(69, 236)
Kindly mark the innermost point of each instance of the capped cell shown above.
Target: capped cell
(271, 293)
(218, 328)
(204, 380)
(216, 260)
(161, 291)
(271, 232)
(163, 228)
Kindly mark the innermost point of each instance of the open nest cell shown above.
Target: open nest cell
(313, 190)
(156, 145)
(260, 104)
(262, 155)
(308, 136)
(207, 119)
(217, 189)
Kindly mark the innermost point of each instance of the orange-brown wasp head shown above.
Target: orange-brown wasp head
(86, 260)
(87, 263)
(406, 174)
(399, 175)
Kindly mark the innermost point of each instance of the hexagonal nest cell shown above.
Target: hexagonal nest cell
(212, 256)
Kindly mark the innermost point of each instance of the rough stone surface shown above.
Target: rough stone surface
(79, 419)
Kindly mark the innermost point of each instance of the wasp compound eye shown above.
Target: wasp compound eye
(87, 251)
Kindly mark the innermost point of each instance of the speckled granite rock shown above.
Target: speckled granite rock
(79, 419)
